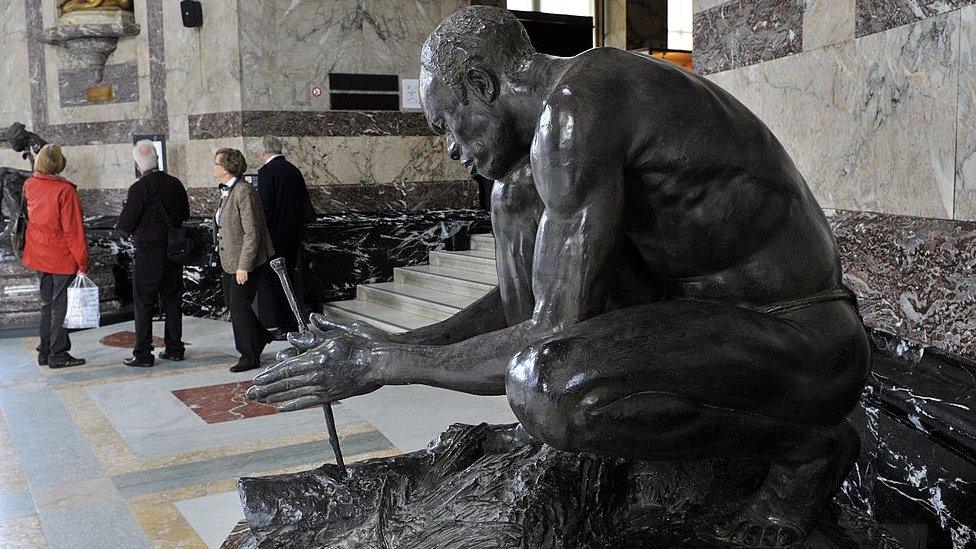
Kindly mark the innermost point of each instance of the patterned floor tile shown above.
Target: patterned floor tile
(127, 340)
(223, 402)
(23, 533)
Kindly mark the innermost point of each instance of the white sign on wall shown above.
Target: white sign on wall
(409, 93)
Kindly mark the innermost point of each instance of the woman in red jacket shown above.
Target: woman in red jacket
(56, 247)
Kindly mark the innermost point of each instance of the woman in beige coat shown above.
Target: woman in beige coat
(244, 246)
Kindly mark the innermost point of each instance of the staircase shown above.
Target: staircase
(424, 294)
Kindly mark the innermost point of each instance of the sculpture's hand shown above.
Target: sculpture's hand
(359, 329)
(323, 328)
(341, 366)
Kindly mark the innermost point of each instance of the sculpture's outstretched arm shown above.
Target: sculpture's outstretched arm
(582, 188)
(483, 316)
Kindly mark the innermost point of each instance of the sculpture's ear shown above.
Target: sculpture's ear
(481, 83)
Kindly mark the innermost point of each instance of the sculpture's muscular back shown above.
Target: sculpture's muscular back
(713, 206)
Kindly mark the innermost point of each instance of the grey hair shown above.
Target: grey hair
(476, 36)
(271, 145)
(144, 153)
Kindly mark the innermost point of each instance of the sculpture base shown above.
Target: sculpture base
(488, 487)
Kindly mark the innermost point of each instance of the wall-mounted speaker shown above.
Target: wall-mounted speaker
(192, 12)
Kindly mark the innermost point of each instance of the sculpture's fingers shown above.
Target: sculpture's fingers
(304, 341)
(301, 403)
(294, 382)
(293, 394)
(327, 324)
(287, 353)
(286, 370)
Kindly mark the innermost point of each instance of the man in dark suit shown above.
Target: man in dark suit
(155, 198)
(285, 199)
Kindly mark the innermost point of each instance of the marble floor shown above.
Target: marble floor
(108, 456)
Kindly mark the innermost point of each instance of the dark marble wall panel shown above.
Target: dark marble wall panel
(394, 197)
(879, 15)
(328, 199)
(915, 277)
(307, 124)
(916, 473)
(341, 250)
(744, 32)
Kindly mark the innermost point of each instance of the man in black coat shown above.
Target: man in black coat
(287, 207)
(155, 198)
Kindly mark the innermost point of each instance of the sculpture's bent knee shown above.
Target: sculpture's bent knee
(539, 397)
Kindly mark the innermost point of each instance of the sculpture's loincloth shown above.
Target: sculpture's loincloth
(840, 293)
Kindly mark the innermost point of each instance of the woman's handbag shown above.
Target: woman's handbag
(82, 304)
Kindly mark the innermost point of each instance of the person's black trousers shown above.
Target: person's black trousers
(156, 278)
(250, 337)
(55, 342)
(273, 308)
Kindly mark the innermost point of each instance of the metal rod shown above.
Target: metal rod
(281, 269)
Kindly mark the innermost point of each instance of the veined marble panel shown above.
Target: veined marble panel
(355, 36)
(100, 166)
(615, 21)
(880, 15)
(307, 124)
(214, 82)
(702, 5)
(743, 32)
(965, 185)
(828, 22)
(15, 92)
(367, 159)
(193, 167)
(913, 277)
(870, 123)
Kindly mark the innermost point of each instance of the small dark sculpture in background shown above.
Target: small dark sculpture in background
(669, 289)
(27, 143)
(12, 180)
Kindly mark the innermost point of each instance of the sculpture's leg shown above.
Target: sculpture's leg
(686, 380)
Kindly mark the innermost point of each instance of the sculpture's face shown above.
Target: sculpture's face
(479, 134)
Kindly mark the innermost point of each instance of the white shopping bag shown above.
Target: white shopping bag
(82, 304)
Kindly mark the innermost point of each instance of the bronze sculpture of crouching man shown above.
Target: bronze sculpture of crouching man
(669, 288)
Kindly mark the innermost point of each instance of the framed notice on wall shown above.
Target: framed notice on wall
(159, 141)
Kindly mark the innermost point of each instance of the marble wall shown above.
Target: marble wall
(248, 71)
(872, 98)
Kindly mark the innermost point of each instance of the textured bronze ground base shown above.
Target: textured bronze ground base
(484, 487)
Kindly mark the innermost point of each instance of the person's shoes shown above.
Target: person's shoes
(42, 360)
(279, 335)
(139, 362)
(67, 362)
(175, 357)
(245, 366)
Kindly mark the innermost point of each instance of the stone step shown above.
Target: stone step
(413, 299)
(472, 260)
(483, 242)
(462, 282)
(384, 318)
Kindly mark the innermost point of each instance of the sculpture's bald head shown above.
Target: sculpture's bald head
(475, 37)
(466, 65)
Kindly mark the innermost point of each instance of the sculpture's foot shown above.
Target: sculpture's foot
(788, 505)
